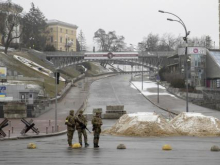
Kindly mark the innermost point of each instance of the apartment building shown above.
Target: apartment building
(62, 35)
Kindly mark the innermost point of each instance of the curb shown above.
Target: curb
(35, 136)
(175, 113)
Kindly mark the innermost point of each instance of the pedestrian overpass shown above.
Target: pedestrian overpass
(149, 60)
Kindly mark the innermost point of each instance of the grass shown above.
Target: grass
(49, 83)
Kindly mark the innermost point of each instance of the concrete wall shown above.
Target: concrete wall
(212, 68)
(15, 110)
(13, 90)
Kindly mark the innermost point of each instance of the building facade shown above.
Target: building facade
(203, 66)
(62, 35)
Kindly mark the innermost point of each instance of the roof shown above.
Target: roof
(173, 56)
(57, 22)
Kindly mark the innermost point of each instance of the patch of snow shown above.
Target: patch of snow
(36, 67)
(192, 114)
(142, 124)
(147, 85)
(144, 116)
(196, 124)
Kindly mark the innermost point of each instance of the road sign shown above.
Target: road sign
(158, 77)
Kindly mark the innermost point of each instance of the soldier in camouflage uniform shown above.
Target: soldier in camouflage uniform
(70, 122)
(81, 123)
(97, 123)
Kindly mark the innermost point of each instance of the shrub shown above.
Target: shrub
(178, 83)
(49, 48)
(87, 65)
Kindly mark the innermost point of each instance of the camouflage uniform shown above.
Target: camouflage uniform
(81, 123)
(97, 123)
(70, 122)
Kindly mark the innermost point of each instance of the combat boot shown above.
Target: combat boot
(86, 145)
(95, 145)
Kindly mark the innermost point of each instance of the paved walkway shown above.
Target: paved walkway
(171, 102)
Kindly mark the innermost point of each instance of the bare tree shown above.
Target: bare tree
(119, 44)
(151, 42)
(10, 20)
(82, 41)
(100, 38)
(109, 41)
(167, 42)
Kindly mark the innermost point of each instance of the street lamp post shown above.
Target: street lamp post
(185, 39)
(142, 76)
(158, 63)
(142, 70)
(31, 42)
(56, 82)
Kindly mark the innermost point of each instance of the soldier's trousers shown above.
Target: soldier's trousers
(70, 136)
(96, 137)
(80, 133)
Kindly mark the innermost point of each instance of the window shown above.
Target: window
(218, 83)
(51, 39)
(61, 30)
(61, 39)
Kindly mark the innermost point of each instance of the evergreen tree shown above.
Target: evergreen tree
(34, 25)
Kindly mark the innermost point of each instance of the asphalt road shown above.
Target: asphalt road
(186, 151)
(115, 90)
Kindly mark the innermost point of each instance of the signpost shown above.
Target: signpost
(158, 80)
(57, 75)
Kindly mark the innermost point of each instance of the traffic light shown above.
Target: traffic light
(57, 77)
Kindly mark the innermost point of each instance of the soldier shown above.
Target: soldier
(70, 122)
(97, 123)
(81, 123)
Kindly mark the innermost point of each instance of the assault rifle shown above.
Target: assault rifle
(83, 126)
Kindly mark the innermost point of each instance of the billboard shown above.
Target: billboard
(192, 50)
(3, 72)
(110, 55)
(2, 91)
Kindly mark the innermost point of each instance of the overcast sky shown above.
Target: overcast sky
(134, 19)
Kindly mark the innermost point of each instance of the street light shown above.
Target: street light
(185, 39)
(158, 78)
(31, 41)
(142, 76)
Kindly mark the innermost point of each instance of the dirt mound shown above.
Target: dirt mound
(196, 124)
(142, 124)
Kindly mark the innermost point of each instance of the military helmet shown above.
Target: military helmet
(71, 112)
(81, 112)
